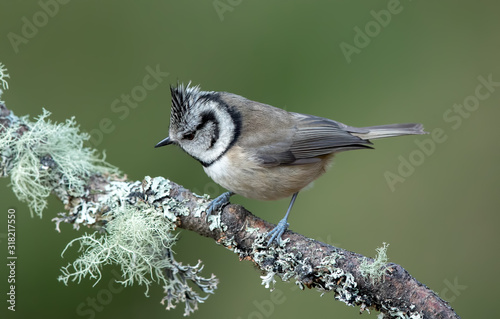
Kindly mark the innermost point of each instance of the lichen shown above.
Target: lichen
(136, 239)
(292, 265)
(394, 312)
(268, 280)
(178, 289)
(201, 208)
(158, 193)
(214, 221)
(48, 157)
(3, 82)
(139, 240)
(277, 261)
(336, 279)
(252, 230)
(375, 269)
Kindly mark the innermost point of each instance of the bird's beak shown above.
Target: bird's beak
(165, 141)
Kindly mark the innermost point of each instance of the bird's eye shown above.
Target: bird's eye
(189, 136)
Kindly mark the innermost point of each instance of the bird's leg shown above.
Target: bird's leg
(277, 231)
(219, 202)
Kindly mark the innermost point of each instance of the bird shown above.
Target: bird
(260, 151)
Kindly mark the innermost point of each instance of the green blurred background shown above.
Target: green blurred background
(441, 222)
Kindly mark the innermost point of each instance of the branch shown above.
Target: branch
(98, 197)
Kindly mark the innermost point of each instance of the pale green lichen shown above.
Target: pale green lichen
(139, 240)
(48, 157)
(136, 240)
(375, 270)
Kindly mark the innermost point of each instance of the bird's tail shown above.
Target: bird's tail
(380, 131)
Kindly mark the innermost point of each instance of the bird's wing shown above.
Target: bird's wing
(309, 138)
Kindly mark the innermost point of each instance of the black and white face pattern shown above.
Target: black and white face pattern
(202, 125)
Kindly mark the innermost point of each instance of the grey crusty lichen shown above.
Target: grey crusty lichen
(289, 265)
(293, 266)
(325, 273)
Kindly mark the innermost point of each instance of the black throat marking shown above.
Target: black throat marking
(210, 117)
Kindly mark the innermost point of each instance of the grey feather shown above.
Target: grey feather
(314, 137)
(305, 141)
(317, 136)
(388, 130)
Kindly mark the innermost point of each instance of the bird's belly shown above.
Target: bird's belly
(264, 183)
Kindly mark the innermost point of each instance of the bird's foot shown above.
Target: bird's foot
(277, 232)
(218, 203)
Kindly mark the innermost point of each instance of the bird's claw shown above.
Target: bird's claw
(277, 232)
(218, 203)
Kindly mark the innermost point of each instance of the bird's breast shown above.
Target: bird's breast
(239, 173)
